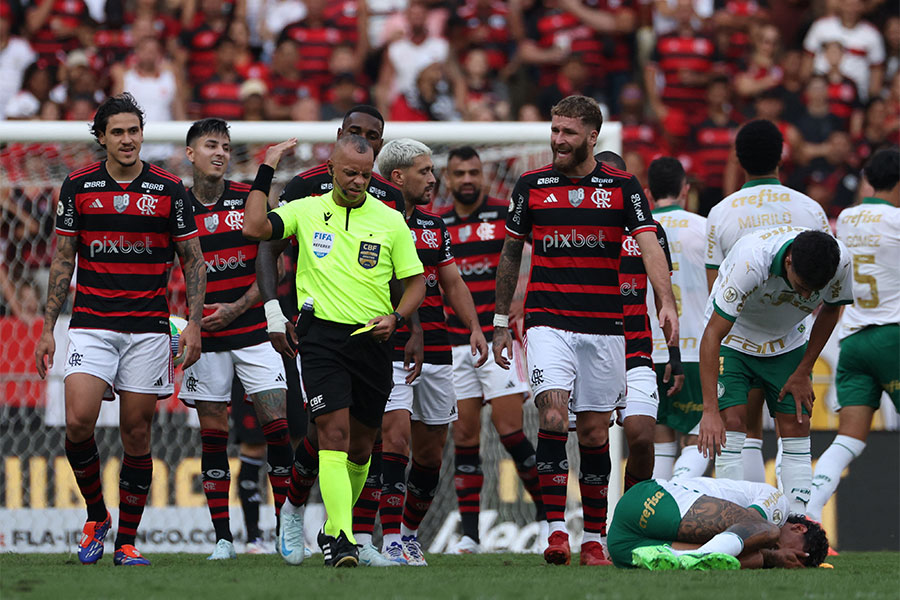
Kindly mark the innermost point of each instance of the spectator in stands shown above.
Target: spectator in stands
(284, 82)
(407, 57)
(892, 123)
(306, 109)
(874, 133)
(52, 26)
(485, 93)
(434, 97)
(246, 63)
(164, 25)
(278, 14)
(686, 61)
(37, 81)
(252, 95)
(399, 23)
(863, 62)
(573, 78)
(219, 96)
(197, 49)
(639, 134)
(843, 98)
(83, 109)
(817, 122)
(483, 26)
(665, 15)
(529, 113)
(833, 180)
(78, 80)
(151, 80)
(15, 56)
(344, 94)
(892, 47)
(762, 71)
(792, 84)
(712, 142)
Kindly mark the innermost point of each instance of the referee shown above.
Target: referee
(350, 245)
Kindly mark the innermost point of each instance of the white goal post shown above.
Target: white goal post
(35, 486)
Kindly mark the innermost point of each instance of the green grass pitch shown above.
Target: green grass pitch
(856, 576)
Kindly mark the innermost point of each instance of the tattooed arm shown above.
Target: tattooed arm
(507, 278)
(194, 269)
(61, 270)
(226, 312)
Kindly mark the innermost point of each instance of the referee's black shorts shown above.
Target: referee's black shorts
(344, 371)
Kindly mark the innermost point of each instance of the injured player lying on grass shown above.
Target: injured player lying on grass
(711, 524)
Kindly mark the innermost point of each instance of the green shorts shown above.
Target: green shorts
(739, 373)
(646, 515)
(869, 364)
(682, 411)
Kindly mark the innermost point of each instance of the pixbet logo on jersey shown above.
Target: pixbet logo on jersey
(120, 246)
(217, 263)
(573, 239)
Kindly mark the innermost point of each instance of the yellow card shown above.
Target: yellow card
(363, 329)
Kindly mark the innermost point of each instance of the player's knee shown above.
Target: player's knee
(734, 421)
(593, 435)
(395, 442)
(135, 438)
(429, 456)
(78, 430)
(554, 419)
(334, 438)
(466, 433)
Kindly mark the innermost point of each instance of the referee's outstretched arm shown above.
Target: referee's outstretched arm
(256, 223)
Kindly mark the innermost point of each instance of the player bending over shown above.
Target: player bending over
(704, 524)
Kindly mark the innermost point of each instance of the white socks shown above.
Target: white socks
(592, 536)
(390, 538)
(752, 457)
(828, 472)
(289, 509)
(664, 459)
(406, 531)
(557, 526)
(729, 464)
(690, 464)
(796, 473)
(363, 539)
(724, 543)
(779, 455)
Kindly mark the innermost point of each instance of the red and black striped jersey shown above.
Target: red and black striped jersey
(200, 44)
(843, 99)
(642, 138)
(577, 228)
(633, 286)
(125, 245)
(433, 246)
(221, 99)
(285, 91)
(314, 46)
(49, 42)
(477, 242)
(230, 267)
(712, 143)
(485, 26)
(675, 53)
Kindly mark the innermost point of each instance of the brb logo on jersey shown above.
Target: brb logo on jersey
(147, 205)
(120, 246)
(573, 239)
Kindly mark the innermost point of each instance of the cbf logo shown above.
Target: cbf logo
(600, 198)
(368, 254)
(147, 205)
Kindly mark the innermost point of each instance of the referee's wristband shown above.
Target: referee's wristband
(675, 360)
(263, 181)
(275, 319)
(501, 320)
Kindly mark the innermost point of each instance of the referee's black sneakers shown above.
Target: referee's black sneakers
(339, 551)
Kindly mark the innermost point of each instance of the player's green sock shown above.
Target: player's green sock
(358, 475)
(337, 493)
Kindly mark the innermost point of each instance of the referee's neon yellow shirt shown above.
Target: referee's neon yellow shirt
(347, 256)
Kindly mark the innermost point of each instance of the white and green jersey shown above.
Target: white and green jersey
(762, 497)
(871, 231)
(686, 232)
(759, 204)
(753, 293)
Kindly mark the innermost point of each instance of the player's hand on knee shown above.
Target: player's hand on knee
(712, 435)
(502, 341)
(189, 344)
(799, 385)
(46, 347)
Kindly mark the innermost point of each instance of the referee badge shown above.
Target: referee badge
(368, 254)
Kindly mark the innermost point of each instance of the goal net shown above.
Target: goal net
(41, 509)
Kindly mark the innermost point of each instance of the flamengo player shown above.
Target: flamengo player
(367, 122)
(234, 332)
(419, 411)
(476, 226)
(121, 217)
(756, 335)
(761, 203)
(642, 398)
(679, 410)
(577, 211)
(869, 362)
